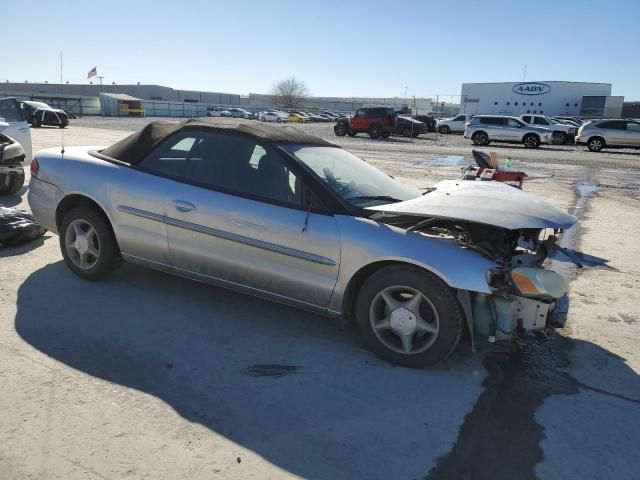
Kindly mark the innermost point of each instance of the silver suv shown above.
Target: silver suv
(599, 134)
(484, 129)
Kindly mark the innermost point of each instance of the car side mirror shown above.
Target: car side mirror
(11, 151)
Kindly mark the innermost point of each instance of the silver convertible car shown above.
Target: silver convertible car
(274, 212)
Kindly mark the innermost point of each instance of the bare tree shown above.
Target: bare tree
(289, 93)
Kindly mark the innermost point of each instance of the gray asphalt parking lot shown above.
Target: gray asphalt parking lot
(151, 376)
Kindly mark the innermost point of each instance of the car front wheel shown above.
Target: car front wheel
(444, 129)
(595, 144)
(480, 138)
(88, 245)
(375, 131)
(340, 130)
(408, 316)
(531, 141)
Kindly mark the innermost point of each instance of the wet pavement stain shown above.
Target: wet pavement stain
(273, 370)
(500, 438)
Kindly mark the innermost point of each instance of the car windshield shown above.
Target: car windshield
(352, 178)
(38, 104)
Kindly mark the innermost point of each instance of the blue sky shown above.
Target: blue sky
(341, 48)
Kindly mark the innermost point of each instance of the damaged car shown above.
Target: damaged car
(293, 218)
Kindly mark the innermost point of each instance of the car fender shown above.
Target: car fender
(365, 242)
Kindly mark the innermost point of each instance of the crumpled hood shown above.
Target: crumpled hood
(487, 202)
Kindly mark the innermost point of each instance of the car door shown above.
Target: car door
(512, 130)
(633, 134)
(457, 124)
(237, 218)
(18, 128)
(358, 120)
(616, 132)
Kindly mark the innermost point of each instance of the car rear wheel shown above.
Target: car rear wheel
(279, 120)
(406, 132)
(595, 144)
(35, 122)
(375, 130)
(480, 138)
(352, 133)
(408, 316)
(444, 129)
(340, 130)
(386, 134)
(531, 141)
(88, 245)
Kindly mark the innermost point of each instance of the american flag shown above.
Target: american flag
(93, 72)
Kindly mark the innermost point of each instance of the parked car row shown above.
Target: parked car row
(533, 130)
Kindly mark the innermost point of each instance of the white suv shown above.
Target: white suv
(455, 124)
(484, 129)
(218, 112)
(562, 133)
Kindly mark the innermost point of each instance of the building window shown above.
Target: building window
(508, 103)
(539, 104)
(495, 103)
(567, 105)
(575, 104)
(535, 111)
(528, 111)
(541, 111)
(516, 103)
(532, 104)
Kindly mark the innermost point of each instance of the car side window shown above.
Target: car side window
(540, 121)
(230, 163)
(459, 118)
(513, 123)
(633, 126)
(527, 119)
(360, 113)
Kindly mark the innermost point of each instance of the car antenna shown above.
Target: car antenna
(62, 129)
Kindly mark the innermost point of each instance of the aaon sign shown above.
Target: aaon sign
(531, 88)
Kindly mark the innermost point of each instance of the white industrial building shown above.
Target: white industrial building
(580, 99)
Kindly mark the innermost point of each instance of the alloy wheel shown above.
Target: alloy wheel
(82, 244)
(404, 319)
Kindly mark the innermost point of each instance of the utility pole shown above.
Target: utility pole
(524, 73)
(61, 67)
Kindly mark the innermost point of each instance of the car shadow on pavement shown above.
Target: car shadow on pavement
(286, 384)
(15, 199)
(22, 249)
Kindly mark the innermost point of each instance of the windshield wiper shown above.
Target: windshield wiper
(365, 198)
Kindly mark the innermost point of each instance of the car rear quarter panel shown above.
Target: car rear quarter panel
(366, 241)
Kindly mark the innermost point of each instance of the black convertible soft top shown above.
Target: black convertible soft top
(137, 146)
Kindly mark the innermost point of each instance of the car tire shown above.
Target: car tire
(14, 183)
(351, 133)
(386, 134)
(415, 135)
(531, 141)
(96, 253)
(480, 138)
(62, 125)
(278, 120)
(560, 138)
(408, 316)
(340, 130)
(595, 144)
(35, 122)
(406, 132)
(444, 129)
(375, 130)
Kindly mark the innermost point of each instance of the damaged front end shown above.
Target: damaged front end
(525, 295)
(516, 230)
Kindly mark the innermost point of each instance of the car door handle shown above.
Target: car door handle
(183, 206)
